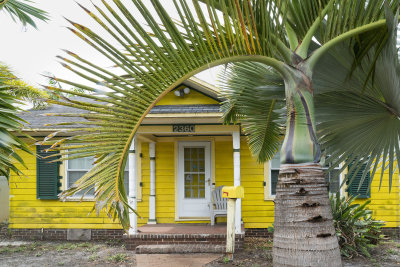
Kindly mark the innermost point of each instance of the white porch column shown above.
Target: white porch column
(236, 179)
(132, 200)
(152, 198)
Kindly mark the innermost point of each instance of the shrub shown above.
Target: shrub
(357, 232)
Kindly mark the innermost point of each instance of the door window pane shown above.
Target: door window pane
(194, 172)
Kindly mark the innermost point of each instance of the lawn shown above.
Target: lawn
(257, 253)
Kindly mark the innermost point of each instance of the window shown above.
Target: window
(272, 171)
(274, 164)
(332, 178)
(76, 168)
(194, 172)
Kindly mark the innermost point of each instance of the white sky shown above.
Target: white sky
(31, 52)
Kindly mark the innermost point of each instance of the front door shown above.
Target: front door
(194, 179)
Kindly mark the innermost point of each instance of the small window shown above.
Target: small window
(76, 168)
(332, 178)
(275, 164)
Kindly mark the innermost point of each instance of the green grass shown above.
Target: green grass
(93, 257)
(22, 248)
(93, 248)
(120, 257)
(391, 251)
(226, 260)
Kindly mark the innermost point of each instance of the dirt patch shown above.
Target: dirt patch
(66, 254)
(384, 255)
(258, 253)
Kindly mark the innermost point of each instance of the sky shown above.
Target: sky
(31, 53)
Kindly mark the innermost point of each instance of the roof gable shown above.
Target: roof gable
(194, 97)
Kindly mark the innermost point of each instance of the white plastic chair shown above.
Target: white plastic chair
(218, 204)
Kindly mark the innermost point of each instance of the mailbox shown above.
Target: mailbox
(233, 192)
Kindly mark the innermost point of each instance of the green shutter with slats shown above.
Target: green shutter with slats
(352, 188)
(47, 174)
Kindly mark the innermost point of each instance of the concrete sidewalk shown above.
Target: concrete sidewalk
(175, 260)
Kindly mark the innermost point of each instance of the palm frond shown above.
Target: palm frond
(23, 11)
(255, 97)
(22, 90)
(359, 123)
(150, 61)
(10, 126)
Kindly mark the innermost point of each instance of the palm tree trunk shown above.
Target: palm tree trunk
(304, 234)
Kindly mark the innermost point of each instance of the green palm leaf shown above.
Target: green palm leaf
(10, 125)
(357, 121)
(255, 97)
(23, 11)
(22, 90)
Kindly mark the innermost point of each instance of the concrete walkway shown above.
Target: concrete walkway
(174, 260)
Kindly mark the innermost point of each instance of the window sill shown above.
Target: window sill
(78, 199)
(269, 198)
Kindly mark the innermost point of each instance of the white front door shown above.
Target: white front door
(194, 179)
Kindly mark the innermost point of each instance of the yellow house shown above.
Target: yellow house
(182, 153)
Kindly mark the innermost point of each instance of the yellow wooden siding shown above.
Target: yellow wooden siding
(256, 212)
(28, 212)
(193, 98)
(385, 206)
(165, 183)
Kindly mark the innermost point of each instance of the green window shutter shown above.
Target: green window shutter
(47, 174)
(352, 188)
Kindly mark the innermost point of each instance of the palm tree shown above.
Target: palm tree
(12, 90)
(289, 43)
(21, 90)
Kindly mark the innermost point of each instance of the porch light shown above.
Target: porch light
(182, 92)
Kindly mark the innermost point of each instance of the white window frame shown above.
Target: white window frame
(86, 197)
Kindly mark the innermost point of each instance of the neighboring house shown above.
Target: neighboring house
(193, 154)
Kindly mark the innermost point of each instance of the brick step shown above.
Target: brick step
(135, 240)
(178, 248)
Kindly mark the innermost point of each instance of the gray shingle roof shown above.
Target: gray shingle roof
(168, 109)
(37, 119)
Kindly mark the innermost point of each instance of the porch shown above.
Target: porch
(180, 238)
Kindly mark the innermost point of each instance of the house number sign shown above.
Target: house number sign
(183, 128)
